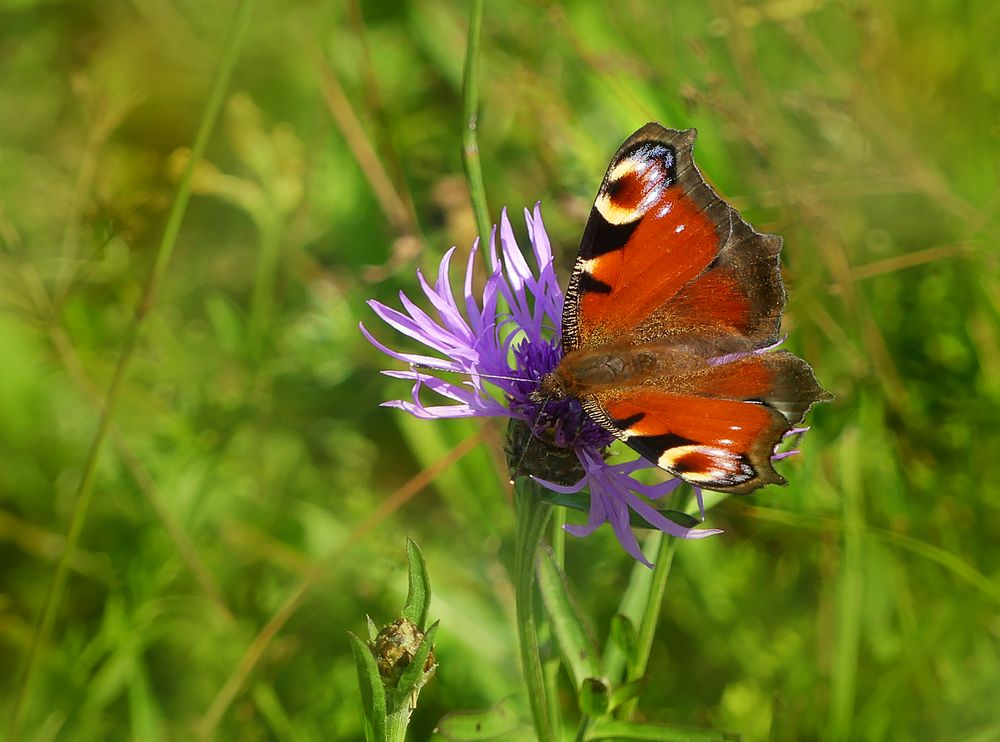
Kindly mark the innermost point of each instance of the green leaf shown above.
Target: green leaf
(628, 730)
(414, 677)
(576, 645)
(633, 604)
(581, 501)
(624, 636)
(372, 628)
(594, 697)
(626, 692)
(418, 597)
(372, 692)
(496, 723)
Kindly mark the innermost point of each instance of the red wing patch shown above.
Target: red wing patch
(671, 244)
(740, 294)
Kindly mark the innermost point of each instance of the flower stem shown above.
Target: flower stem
(470, 124)
(396, 724)
(85, 489)
(665, 548)
(557, 541)
(558, 537)
(532, 514)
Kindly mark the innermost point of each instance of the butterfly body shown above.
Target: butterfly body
(585, 372)
(671, 314)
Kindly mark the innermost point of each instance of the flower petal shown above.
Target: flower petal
(563, 489)
(414, 358)
(655, 518)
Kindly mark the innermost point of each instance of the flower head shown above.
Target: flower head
(509, 338)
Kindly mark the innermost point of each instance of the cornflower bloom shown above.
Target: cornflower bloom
(509, 338)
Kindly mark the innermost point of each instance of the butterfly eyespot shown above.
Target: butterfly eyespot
(635, 183)
(707, 464)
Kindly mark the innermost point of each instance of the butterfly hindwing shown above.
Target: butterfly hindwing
(716, 427)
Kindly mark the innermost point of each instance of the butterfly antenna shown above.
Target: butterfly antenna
(428, 367)
(531, 436)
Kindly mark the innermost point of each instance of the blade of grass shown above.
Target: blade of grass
(393, 205)
(84, 494)
(470, 124)
(850, 594)
(612, 729)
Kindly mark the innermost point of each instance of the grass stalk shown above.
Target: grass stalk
(470, 125)
(850, 595)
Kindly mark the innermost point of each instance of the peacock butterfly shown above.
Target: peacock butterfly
(670, 319)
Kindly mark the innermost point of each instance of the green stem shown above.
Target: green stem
(85, 489)
(665, 549)
(532, 514)
(396, 724)
(557, 541)
(558, 537)
(470, 124)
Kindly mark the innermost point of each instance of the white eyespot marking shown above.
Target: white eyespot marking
(626, 166)
(667, 208)
(680, 228)
(651, 179)
(724, 467)
(613, 213)
(588, 266)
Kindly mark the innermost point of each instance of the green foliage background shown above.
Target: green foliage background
(252, 501)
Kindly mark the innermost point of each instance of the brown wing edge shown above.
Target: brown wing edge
(752, 256)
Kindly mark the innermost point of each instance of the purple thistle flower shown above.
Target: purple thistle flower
(514, 331)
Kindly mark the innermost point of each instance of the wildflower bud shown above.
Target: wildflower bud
(394, 649)
(396, 662)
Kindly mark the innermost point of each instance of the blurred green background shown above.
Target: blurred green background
(251, 501)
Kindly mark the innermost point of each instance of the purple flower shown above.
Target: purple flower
(509, 339)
